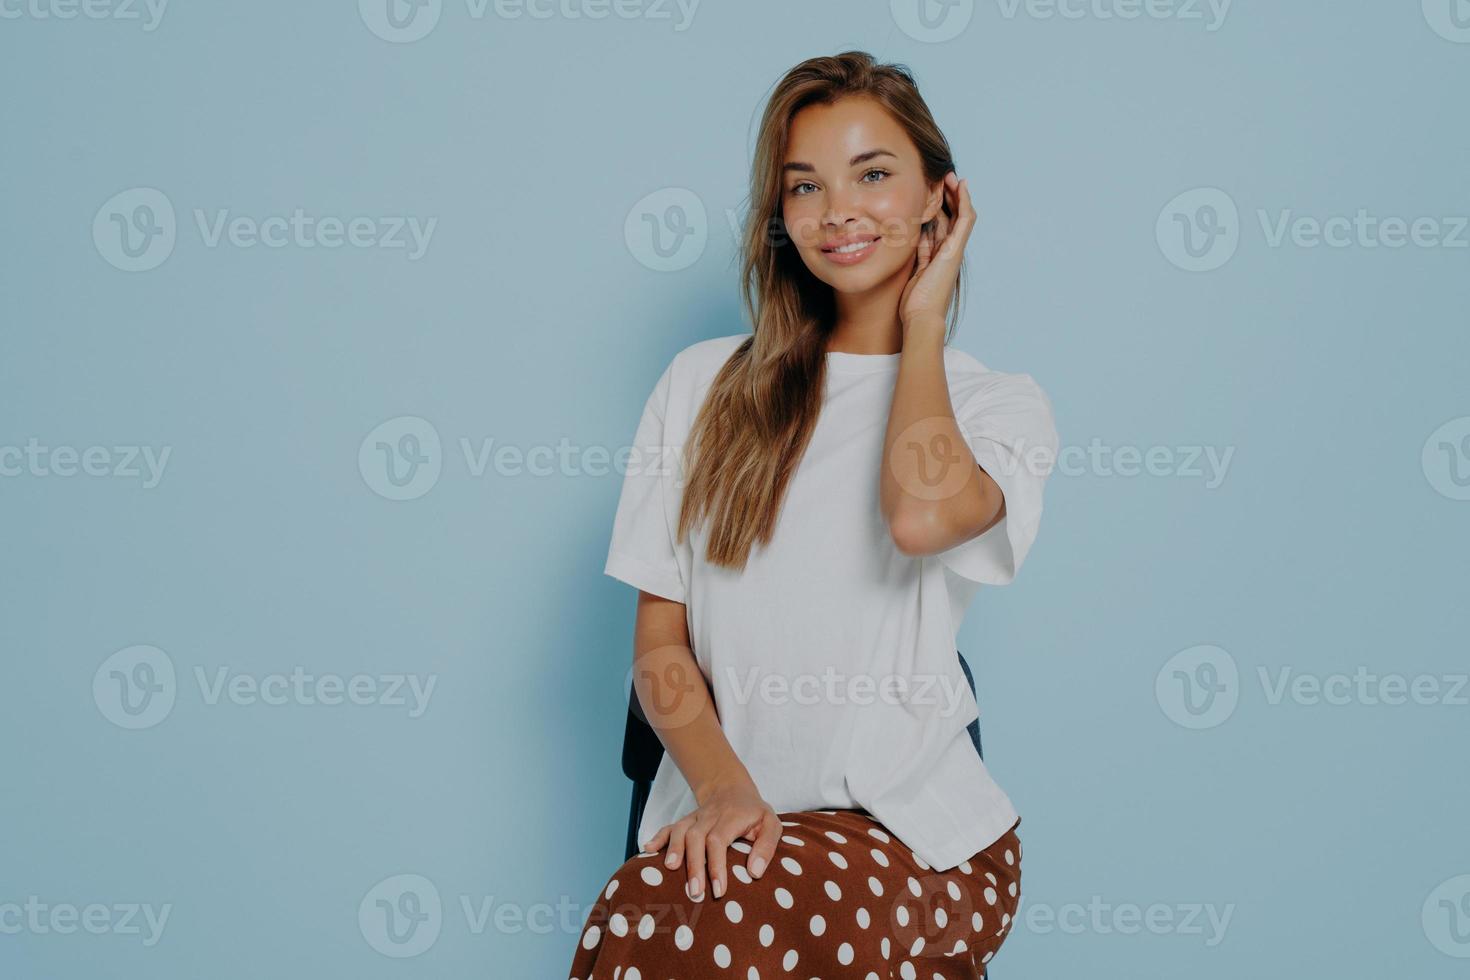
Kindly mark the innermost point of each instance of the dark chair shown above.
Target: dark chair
(642, 752)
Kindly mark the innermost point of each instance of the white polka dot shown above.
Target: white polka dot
(941, 918)
(833, 892)
(954, 890)
(884, 947)
(967, 867)
(902, 915)
(844, 954)
(1010, 857)
(959, 947)
(987, 956)
(683, 937)
(834, 835)
(914, 887)
(879, 834)
(753, 974)
(741, 846)
(618, 924)
(976, 923)
(991, 877)
(917, 947)
(645, 927)
(875, 885)
(907, 971)
(722, 956)
(768, 935)
(632, 974)
(612, 886)
(1012, 889)
(590, 937)
(790, 823)
(837, 859)
(920, 861)
(863, 918)
(784, 899)
(880, 857)
(733, 911)
(790, 865)
(738, 870)
(794, 841)
(788, 962)
(990, 896)
(1005, 920)
(652, 875)
(818, 925)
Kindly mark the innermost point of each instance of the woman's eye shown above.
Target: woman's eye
(875, 170)
(798, 187)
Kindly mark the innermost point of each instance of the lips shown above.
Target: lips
(849, 244)
(850, 250)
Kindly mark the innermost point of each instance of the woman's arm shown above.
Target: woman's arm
(676, 700)
(933, 494)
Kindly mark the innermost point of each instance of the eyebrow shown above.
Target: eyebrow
(860, 158)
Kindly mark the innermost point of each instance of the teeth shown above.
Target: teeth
(854, 247)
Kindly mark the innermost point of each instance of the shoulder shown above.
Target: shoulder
(969, 377)
(691, 371)
(704, 358)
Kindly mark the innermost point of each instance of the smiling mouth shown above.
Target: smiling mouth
(851, 253)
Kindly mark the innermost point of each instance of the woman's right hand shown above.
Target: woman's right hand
(725, 815)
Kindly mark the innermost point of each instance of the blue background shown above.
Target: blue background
(1334, 541)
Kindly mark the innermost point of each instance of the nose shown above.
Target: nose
(839, 210)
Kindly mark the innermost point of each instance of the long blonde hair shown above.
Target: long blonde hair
(762, 406)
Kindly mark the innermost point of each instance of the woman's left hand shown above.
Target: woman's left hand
(926, 298)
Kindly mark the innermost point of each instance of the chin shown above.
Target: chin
(855, 280)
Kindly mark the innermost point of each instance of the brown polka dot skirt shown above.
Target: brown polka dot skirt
(842, 898)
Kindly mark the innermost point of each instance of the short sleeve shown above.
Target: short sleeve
(1008, 424)
(642, 551)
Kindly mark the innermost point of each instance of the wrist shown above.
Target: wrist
(923, 326)
(734, 777)
(923, 335)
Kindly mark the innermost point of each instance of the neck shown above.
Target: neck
(868, 322)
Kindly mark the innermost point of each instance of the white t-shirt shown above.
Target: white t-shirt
(804, 650)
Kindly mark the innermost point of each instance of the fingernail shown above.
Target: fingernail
(669, 860)
(691, 888)
(757, 865)
(718, 886)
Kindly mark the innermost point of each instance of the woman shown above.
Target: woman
(851, 481)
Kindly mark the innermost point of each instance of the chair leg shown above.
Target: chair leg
(635, 817)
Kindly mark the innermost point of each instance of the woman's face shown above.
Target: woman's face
(852, 177)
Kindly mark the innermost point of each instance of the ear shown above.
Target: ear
(934, 201)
